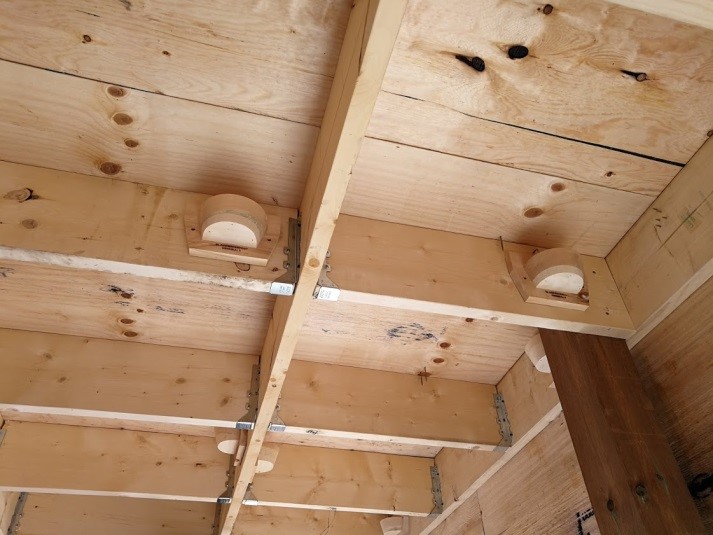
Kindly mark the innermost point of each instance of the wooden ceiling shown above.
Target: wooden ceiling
(119, 114)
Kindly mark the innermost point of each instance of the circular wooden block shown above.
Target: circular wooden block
(267, 458)
(227, 440)
(557, 270)
(233, 220)
(392, 525)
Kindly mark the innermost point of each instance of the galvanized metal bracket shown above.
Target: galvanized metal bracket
(503, 422)
(436, 491)
(17, 514)
(247, 421)
(285, 285)
(276, 424)
(326, 290)
(2, 435)
(250, 498)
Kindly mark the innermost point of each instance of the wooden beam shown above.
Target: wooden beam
(375, 263)
(668, 253)
(8, 504)
(695, 12)
(66, 459)
(531, 405)
(366, 49)
(340, 480)
(59, 514)
(630, 472)
(63, 379)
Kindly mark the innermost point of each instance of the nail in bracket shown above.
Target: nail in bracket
(326, 290)
(285, 285)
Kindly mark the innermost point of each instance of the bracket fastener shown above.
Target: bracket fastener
(436, 490)
(247, 421)
(503, 422)
(326, 290)
(285, 285)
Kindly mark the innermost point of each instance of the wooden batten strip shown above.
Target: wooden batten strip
(695, 12)
(366, 49)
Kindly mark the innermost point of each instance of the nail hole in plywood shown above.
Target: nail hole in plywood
(86, 38)
(533, 212)
(469, 320)
(115, 91)
(438, 360)
(110, 168)
(130, 334)
(122, 119)
(445, 345)
(131, 143)
(126, 295)
(126, 321)
(557, 187)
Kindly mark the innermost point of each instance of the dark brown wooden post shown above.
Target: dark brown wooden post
(631, 475)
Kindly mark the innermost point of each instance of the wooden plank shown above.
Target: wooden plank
(271, 520)
(571, 83)
(356, 442)
(613, 425)
(115, 226)
(402, 120)
(330, 479)
(531, 406)
(405, 341)
(124, 307)
(676, 369)
(368, 41)
(521, 206)
(668, 253)
(181, 144)
(63, 459)
(696, 12)
(58, 514)
(71, 380)
(540, 490)
(268, 58)
(466, 519)
(8, 504)
(377, 263)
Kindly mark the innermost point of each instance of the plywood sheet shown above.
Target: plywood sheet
(122, 307)
(79, 125)
(269, 57)
(414, 186)
(410, 342)
(440, 128)
(571, 83)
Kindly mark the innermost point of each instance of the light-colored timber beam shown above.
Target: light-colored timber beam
(368, 41)
(633, 480)
(531, 405)
(61, 514)
(67, 459)
(104, 383)
(696, 12)
(8, 505)
(668, 254)
(129, 230)
(412, 268)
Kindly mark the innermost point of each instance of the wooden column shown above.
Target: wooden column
(632, 478)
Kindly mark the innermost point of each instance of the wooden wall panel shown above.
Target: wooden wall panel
(89, 303)
(268, 57)
(675, 363)
(571, 84)
(403, 341)
(440, 128)
(414, 186)
(54, 514)
(539, 491)
(181, 144)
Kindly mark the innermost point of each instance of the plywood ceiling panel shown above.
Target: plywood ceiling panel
(572, 83)
(269, 57)
(413, 186)
(99, 129)
(410, 342)
(123, 307)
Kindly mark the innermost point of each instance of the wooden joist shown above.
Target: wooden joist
(630, 472)
(68, 459)
(368, 41)
(531, 405)
(668, 253)
(103, 383)
(695, 12)
(8, 505)
(60, 514)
